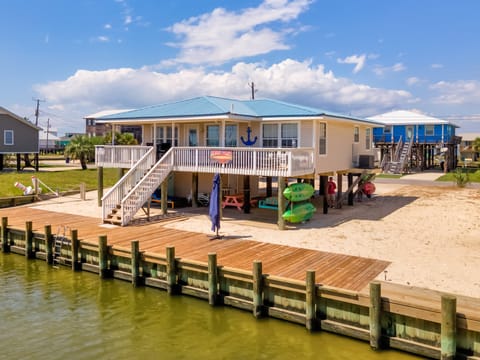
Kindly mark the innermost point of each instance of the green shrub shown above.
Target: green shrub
(461, 177)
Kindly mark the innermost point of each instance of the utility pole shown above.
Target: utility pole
(252, 86)
(48, 130)
(37, 113)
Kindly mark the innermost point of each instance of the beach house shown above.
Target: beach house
(18, 137)
(248, 142)
(411, 140)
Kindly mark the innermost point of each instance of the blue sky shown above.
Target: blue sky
(354, 57)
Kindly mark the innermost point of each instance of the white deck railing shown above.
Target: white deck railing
(119, 156)
(287, 162)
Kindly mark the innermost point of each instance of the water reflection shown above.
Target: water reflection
(55, 314)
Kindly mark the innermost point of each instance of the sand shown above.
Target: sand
(430, 234)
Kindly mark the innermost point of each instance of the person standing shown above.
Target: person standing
(331, 191)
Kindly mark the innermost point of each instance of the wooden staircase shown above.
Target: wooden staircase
(400, 159)
(124, 200)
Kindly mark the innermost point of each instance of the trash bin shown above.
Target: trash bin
(67, 160)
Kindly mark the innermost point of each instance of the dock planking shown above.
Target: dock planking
(337, 270)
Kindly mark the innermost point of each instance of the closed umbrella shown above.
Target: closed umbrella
(214, 207)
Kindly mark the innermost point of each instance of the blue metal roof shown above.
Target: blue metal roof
(207, 106)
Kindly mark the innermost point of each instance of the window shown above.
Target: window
(164, 135)
(8, 137)
(368, 138)
(213, 135)
(387, 129)
(270, 135)
(289, 135)
(322, 139)
(356, 134)
(231, 135)
(429, 130)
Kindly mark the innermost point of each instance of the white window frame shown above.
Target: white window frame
(293, 140)
(272, 139)
(368, 139)
(429, 130)
(356, 134)
(234, 140)
(207, 140)
(8, 135)
(322, 138)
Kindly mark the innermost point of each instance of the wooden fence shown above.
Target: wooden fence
(435, 332)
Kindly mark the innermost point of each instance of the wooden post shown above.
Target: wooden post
(195, 190)
(212, 279)
(99, 185)
(28, 240)
(339, 190)
(83, 195)
(257, 289)
(102, 256)
(246, 194)
(48, 244)
(310, 301)
(281, 202)
(5, 241)
(164, 191)
(75, 245)
(323, 192)
(350, 194)
(171, 270)
(135, 263)
(268, 189)
(375, 315)
(448, 328)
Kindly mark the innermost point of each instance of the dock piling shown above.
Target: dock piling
(74, 248)
(212, 279)
(29, 240)
(310, 305)
(48, 244)
(5, 242)
(257, 289)
(448, 330)
(135, 263)
(102, 256)
(171, 270)
(375, 315)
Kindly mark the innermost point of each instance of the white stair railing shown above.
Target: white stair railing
(142, 191)
(114, 196)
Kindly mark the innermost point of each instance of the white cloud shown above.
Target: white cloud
(457, 92)
(102, 38)
(290, 80)
(437, 66)
(382, 70)
(412, 81)
(107, 26)
(222, 35)
(358, 60)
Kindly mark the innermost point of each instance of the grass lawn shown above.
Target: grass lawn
(473, 175)
(56, 180)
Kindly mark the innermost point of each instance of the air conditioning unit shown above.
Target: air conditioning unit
(365, 161)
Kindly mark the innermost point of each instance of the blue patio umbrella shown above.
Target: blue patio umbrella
(214, 207)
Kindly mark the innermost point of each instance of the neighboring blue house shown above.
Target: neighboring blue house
(411, 140)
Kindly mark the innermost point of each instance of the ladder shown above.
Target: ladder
(59, 241)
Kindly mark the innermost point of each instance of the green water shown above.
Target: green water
(48, 313)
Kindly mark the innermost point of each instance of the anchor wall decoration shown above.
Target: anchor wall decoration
(249, 141)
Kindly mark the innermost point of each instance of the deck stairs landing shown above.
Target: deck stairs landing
(128, 196)
(399, 163)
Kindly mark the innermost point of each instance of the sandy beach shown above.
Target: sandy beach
(429, 233)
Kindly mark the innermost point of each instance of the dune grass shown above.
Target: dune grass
(473, 175)
(62, 181)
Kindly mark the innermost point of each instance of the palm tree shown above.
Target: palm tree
(476, 145)
(81, 148)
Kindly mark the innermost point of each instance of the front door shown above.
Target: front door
(192, 137)
(409, 132)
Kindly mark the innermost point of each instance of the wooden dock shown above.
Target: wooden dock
(336, 270)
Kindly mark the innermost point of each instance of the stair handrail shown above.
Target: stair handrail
(397, 150)
(407, 154)
(114, 196)
(165, 161)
